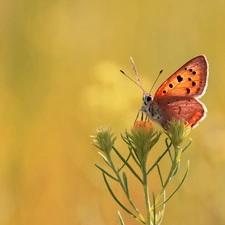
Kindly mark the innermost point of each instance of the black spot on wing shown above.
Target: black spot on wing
(179, 78)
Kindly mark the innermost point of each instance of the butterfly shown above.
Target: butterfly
(177, 97)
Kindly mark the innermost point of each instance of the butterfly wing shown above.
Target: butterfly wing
(190, 80)
(180, 107)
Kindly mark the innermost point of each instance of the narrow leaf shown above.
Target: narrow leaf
(158, 160)
(127, 164)
(105, 159)
(121, 219)
(176, 170)
(154, 209)
(187, 145)
(185, 175)
(135, 156)
(125, 139)
(160, 175)
(118, 202)
(124, 163)
(168, 145)
(105, 172)
(125, 184)
(170, 154)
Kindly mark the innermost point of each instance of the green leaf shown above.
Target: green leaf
(187, 145)
(160, 175)
(185, 175)
(105, 172)
(176, 170)
(128, 165)
(125, 184)
(154, 209)
(125, 139)
(124, 163)
(118, 202)
(159, 159)
(105, 159)
(134, 156)
(121, 219)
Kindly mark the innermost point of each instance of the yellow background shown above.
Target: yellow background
(60, 80)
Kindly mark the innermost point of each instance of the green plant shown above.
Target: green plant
(140, 141)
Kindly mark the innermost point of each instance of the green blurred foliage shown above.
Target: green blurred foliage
(59, 80)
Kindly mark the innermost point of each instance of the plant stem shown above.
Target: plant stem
(146, 194)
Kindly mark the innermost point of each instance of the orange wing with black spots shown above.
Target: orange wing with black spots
(190, 80)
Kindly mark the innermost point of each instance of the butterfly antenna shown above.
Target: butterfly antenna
(137, 75)
(130, 78)
(156, 80)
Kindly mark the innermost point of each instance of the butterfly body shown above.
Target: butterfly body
(177, 97)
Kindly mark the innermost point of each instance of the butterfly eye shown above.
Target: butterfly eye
(146, 99)
(149, 98)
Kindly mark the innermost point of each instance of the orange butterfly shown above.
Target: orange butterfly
(177, 97)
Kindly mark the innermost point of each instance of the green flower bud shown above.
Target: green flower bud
(177, 132)
(142, 138)
(104, 140)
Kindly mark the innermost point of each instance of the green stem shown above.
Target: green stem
(146, 194)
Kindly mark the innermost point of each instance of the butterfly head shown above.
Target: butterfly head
(147, 101)
(150, 108)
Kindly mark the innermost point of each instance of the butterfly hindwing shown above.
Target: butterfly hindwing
(179, 108)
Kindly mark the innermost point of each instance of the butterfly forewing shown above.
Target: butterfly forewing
(190, 80)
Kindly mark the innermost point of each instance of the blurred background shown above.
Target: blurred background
(60, 80)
